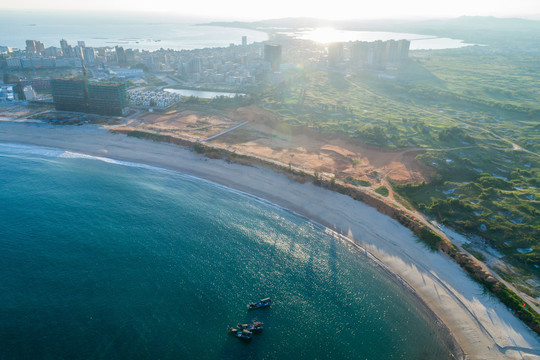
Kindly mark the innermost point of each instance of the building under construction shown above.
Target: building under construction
(69, 94)
(77, 94)
(106, 98)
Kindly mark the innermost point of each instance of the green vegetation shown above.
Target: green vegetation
(382, 190)
(219, 102)
(431, 239)
(152, 80)
(500, 206)
(475, 113)
(475, 253)
(357, 182)
(467, 107)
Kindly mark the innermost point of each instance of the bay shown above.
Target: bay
(105, 259)
(152, 31)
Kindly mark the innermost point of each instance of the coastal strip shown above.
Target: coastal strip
(483, 326)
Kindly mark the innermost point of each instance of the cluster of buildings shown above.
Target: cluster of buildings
(34, 46)
(37, 56)
(157, 99)
(5, 50)
(233, 67)
(95, 97)
(236, 65)
(10, 93)
(7, 93)
(374, 54)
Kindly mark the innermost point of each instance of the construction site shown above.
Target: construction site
(80, 95)
(257, 132)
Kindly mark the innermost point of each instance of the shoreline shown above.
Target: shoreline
(481, 325)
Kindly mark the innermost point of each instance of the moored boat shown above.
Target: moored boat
(260, 304)
(240, 333)
(256, 326)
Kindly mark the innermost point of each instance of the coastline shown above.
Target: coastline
(482, 326)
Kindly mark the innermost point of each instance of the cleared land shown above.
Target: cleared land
(302, 147)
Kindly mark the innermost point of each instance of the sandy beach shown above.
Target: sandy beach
(483, 326)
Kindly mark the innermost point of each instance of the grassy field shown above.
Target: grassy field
(467, 107)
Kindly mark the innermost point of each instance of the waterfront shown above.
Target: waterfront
(156, 31)
(137, 31)
(118, 259)
(418, 41)
(482, 325)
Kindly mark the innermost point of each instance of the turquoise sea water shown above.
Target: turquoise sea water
(101, 260)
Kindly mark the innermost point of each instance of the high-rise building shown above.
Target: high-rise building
(67, 50)
(359, 52)
(195, 66)
(244, 40)
(5, 49)
(79, 52)
(120, 55)
(392, 52)
(31, 46)
(379, 53)
(63, 44)
(403, 49)
(34, 46)
(81, 44)
(107, 98)
(40, 46)
(272, 54)
(51, 51)
(69, 94)
(76, 94)
(90, 55)
(335, 54)
(130, 57)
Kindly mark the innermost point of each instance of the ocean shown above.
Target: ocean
(103, 259)
(131, 30)
(155, 31)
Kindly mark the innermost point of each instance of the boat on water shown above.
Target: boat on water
(256, 326)
(240, 333)
(260, 304)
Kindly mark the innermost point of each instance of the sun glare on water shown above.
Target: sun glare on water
(327, 35)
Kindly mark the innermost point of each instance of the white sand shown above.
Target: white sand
(484, 328)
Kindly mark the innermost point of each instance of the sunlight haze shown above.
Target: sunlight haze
(337, 10)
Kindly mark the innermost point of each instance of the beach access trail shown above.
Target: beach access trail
(482, 325)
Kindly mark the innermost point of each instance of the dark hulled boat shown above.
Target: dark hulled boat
(257, 326)
(260, 304)
(240, 333)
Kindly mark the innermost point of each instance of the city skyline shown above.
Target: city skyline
(340, 9)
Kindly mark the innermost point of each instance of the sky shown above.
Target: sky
(334, 9)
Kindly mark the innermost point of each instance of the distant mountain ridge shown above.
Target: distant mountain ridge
(480, 29)
(471, 22)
